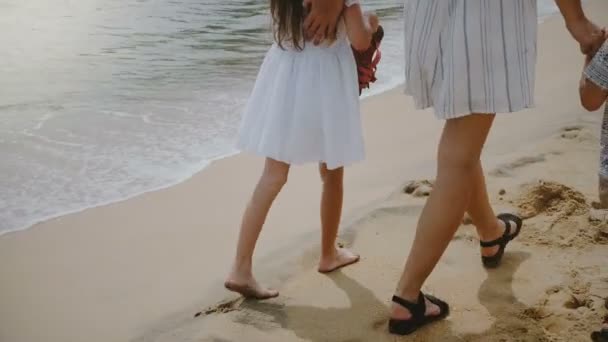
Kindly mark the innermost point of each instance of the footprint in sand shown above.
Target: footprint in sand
(506, 170)
(571, 132)
(419, 188)
(223, 307)
(578, 291)
(564, 307)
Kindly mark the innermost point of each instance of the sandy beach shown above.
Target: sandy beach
(151, 268)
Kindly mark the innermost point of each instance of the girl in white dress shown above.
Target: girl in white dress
(304, 108)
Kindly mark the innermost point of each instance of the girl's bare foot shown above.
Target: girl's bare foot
(248, 287)
(341, 258)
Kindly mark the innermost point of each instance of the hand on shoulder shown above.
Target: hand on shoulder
(321, 21)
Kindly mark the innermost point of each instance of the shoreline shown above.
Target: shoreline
(146, 264)
(34, 222)
(199, 169)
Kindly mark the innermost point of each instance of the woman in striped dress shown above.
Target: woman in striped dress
(468, 59)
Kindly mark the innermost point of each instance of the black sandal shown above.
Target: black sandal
(602, 334)
(494, 261)
(418, 310)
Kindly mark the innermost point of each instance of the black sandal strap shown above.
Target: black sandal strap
(600, 336)
(507, 236)
(416, 309)
(507, 219)
(501, 240)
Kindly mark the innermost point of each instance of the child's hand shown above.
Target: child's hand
(373, 20)
(592, 95)
(600, 39)
(360, 27)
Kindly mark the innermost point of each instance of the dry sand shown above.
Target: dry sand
(141, 269)
(551, 286)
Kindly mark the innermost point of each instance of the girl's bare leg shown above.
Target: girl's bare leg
(332, 258)
(241, 278)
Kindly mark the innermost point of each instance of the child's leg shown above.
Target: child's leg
(603, 191)
(332, 258)
(270, 184)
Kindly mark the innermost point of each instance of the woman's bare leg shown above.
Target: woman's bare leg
(332, 257)
(488, 226)
(458, 157)
(241, 278)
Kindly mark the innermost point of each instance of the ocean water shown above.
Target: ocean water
(104, 100)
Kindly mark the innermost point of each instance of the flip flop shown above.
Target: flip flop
(418, 320)
(494, 260)
(367, 61)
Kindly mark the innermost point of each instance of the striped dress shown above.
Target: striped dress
(470, 56)
(597, 72)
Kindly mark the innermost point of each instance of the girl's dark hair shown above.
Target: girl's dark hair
(287, 16)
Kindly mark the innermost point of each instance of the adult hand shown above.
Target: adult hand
(587, 34)
(322, 18)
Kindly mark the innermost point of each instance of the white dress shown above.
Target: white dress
(305, 106)
(470, 56)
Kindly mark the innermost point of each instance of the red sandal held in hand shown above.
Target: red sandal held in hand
(367, 61)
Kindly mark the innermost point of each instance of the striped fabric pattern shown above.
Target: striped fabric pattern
(470, 56)
(597, 70)
(604, 145)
